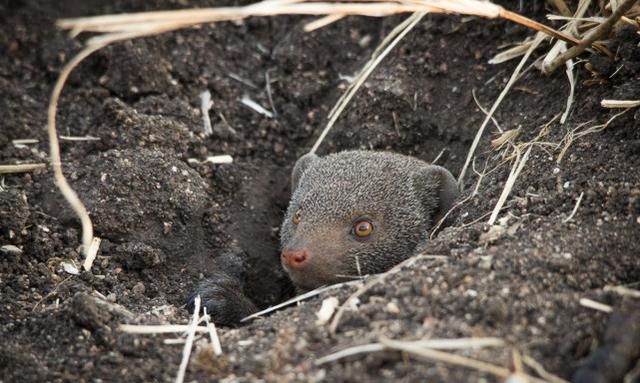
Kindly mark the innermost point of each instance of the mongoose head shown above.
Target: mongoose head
(359, 212)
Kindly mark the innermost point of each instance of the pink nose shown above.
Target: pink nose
(295, 259)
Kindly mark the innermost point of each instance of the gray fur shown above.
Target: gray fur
(402, 196)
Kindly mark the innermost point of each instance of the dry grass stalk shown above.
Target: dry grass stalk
(518, 165)
(79, 139)
(586, 302)
(484, 110)
(578, 132)
(575, 209)
(374, 281)
(442, 344)
(21, 168)
(379, 54)
(508, 137)
(624, 291)
(347, 352)
(205, 106)
(152, 22)
(54, 150)
(538, 39)
(220, 159)
(561, 6)
(571, 28)
(25, 141)
(571, 75)
(591, 38)
(191, 332)
(174, 341)
(299, 298)
(91, 253)
(560, 47)
(541, 371)
(213, 335)
(437, 226)
(516, 360)
(323, 22)
(512, 52)
(613, 104)
(158, 329)
(249, 103)
(457, 360)
(590, 22)
(267, 85)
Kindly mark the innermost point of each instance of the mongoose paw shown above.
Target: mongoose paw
(222, 297)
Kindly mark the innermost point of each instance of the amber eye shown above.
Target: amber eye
(297, 216)
(362, 228)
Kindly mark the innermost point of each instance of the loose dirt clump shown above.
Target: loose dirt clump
(165, 215)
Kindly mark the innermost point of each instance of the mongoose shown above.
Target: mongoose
(359, 212)
(351, 213)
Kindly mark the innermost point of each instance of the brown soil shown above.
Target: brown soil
(163, 220)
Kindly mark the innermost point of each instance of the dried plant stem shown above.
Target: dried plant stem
(458, 360)
(213, 335)
(191, 332)
(400, 31)
(518, 18)
(612, 104)
(54, 149)
(561, 6)
(538, 39)
(578, 132)
(518, 165)
(624, 291)
(299, 298)
(323, 22)
(541, 371)
(588, 41)
(590, 303)
(20, 168)
(158, 329)
(575, 209)
(441, 344)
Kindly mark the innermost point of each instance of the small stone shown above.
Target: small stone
(70, 268)
(485, 262)
(471, 293)
(139, 288)
(11, 249)
(392, 308)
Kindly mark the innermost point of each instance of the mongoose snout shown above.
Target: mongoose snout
(295, 259)
(359, 212)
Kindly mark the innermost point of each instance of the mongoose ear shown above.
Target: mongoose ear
(301, 165)
(437, 190)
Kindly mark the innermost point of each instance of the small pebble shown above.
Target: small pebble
(138, 288)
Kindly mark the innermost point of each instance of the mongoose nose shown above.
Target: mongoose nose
(295, 259)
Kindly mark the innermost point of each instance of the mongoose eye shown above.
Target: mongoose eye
(362, 228)
(297, 216)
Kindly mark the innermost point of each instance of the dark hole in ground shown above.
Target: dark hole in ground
(258, 212)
